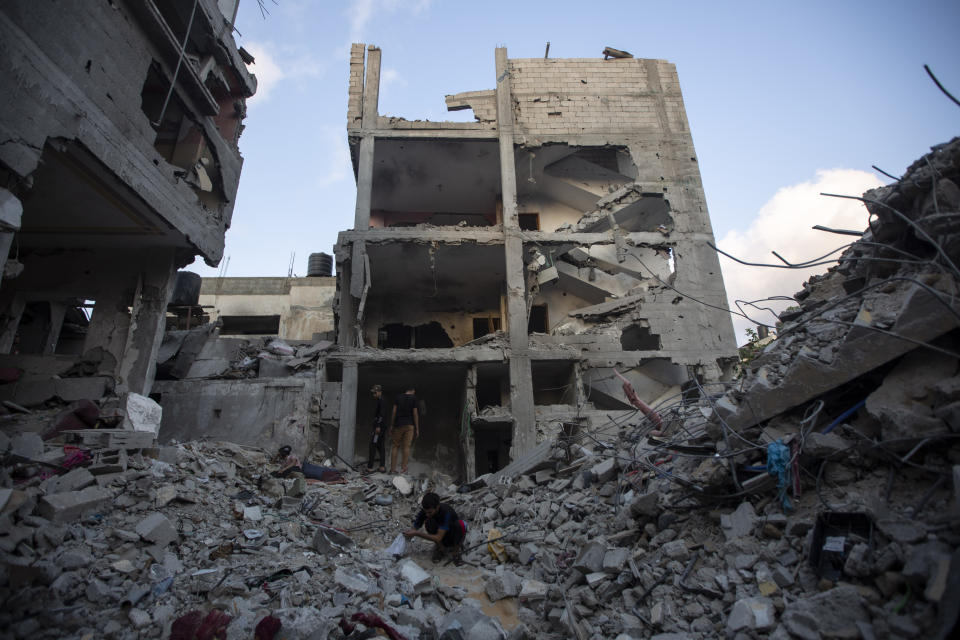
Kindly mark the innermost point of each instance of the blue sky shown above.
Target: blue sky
(778, 95)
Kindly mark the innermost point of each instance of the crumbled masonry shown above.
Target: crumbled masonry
(544, 276)
(628, 529)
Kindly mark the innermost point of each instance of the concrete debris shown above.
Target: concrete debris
(608, 530)
(142, 414)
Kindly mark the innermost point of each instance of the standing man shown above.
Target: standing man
(405, 426)
(377, 432)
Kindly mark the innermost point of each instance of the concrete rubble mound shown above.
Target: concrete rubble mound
(816, 497)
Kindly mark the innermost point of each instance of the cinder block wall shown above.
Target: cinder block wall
(592, 96)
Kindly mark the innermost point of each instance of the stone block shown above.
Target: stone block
(531, 589)
(402, 485)
(615, 560)
(71, 505)
(926, 568)
(839, 610)
(27, 445)
(902, 531)
(351, 581)
(758, 614)
(73, 480)
(594, 579)
(528, 552)
(502, 585)
(156, 528)
(417, 577)
(824, 445)
(645, 506)
(676, 549)
(330, 542)
(141, 414)
(590, 558)
(740, 523)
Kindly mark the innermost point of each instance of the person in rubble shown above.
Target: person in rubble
(442, 526)
(289, 463)
(377, 435)
(290, 466)
(405, 427)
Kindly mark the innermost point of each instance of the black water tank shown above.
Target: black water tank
(319, 265)
(186, 290)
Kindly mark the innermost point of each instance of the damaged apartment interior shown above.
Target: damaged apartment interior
(544, 276)
(119, 165)
(510, 268)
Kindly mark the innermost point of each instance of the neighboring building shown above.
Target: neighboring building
(119, 163)
(569, 221)
(289, 308)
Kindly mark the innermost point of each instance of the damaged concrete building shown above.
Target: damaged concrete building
(119, 164)
(511, 267)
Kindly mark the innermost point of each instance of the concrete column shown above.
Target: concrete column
(521, 385)
(467, 442)
(521, 406)
(346, 306)
(371, 98)
(154, 288)
(347, 436)
(110, 320)
(361, 216)
(11, 322)
(57, 312)
(11, 213)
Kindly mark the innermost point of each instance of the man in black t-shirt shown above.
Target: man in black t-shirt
(405, 426)
(378, 434)
(443, 527)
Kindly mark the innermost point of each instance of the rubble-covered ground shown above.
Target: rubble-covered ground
(817, 497)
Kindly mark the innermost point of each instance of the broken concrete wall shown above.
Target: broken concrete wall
(121, 149)
(304, 306)
(88, 91)
(595, 194)
(262, 412)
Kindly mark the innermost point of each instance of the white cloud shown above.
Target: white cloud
(391, 76)
(339, 165)
(361, 12)
(783, 225)
(274, 65)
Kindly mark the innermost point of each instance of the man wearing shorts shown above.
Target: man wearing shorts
(405, 426)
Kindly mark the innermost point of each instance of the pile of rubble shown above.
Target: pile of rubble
(201, 534)
(815, 498)
(202, 353)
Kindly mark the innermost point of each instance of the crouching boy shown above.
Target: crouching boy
(442, 525)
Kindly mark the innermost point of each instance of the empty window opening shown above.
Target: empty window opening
(638, 338)
(491, 386)
(33, 329)
(180, 140)
(529, 221)
(250, 325)
(553, 382)
(538, 322)
(73, 332)
(483, 326)
(423, 336)
(492, 446)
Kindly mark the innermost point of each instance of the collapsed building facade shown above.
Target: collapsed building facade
(119, 164)
(511, 267)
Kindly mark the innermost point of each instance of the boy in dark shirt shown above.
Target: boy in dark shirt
(443, 527)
